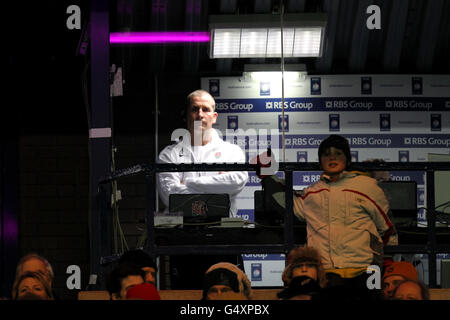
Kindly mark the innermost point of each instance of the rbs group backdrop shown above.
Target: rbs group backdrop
(397, 118)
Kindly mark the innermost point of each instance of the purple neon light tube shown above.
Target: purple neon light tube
(158, 37)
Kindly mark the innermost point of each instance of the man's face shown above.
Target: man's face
(128, 283)
(333, 161)
(150, 274)
(216, 291)
(305, 269)
(389, 285)
(408, 291)
(201, 109)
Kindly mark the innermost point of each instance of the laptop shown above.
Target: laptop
(200, 208)
(402, 198)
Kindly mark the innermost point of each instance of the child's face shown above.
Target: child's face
(333, 161)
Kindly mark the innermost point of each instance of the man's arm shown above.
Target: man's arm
(231, 182)
(169, 182)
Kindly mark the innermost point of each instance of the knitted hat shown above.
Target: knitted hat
(401, 268)
(337, 142)
(301, 285)
(143, 291)
(227, 274)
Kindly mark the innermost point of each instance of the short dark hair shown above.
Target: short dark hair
(138, 257)
(337, 142)
(120, 272)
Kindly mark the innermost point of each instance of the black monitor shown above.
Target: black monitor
(200, 208)
(269, 213)
(402, 198)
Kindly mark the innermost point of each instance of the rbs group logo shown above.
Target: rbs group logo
(436, 122)
(214, 87)
(334, 123)
(385, 122)
(232, 122)
(302, 156)
(416, 84)
(283, 124)
(264, 88)
(316, 86)
(366, 85)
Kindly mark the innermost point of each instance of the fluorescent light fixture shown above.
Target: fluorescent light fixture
(272, 72)
(259, 35)
(157, 37)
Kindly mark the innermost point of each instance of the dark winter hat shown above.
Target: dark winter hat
(337, 142)
(138, 257)
(301, 285)
(227, 274)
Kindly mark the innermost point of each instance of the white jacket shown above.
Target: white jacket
(216, 151)
(346, 220)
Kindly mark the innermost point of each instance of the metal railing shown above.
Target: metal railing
(431, 248)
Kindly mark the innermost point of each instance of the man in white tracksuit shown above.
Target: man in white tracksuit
(202, 144)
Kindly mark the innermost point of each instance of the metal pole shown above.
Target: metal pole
(431, 224)
(99, 136)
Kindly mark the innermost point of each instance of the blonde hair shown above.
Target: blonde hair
(30, 256)
(36, 275)
(199, 93)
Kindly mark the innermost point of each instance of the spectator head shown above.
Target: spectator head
(122, 278)
(394, 274)
(143, 260)
(225, 277)
(35, 263)
(31, 286)
(411, 290)
(304, 261)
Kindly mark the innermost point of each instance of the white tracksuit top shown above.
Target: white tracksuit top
(216, 151)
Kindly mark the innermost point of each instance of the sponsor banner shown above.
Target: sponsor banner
(333, 104)
(263, 256)
(246, 214)
(345, 122)
(332, 86)
(357, 141)
(264, 273)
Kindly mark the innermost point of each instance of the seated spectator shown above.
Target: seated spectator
(304, 275)
(35, 263)
(224, 277)
(411, 290)
(395, 273)
(144, 291)
(123, 278)
(144, 261)
(31, 286)
(304, 261)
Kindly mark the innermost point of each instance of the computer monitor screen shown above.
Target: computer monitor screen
(402, 198)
